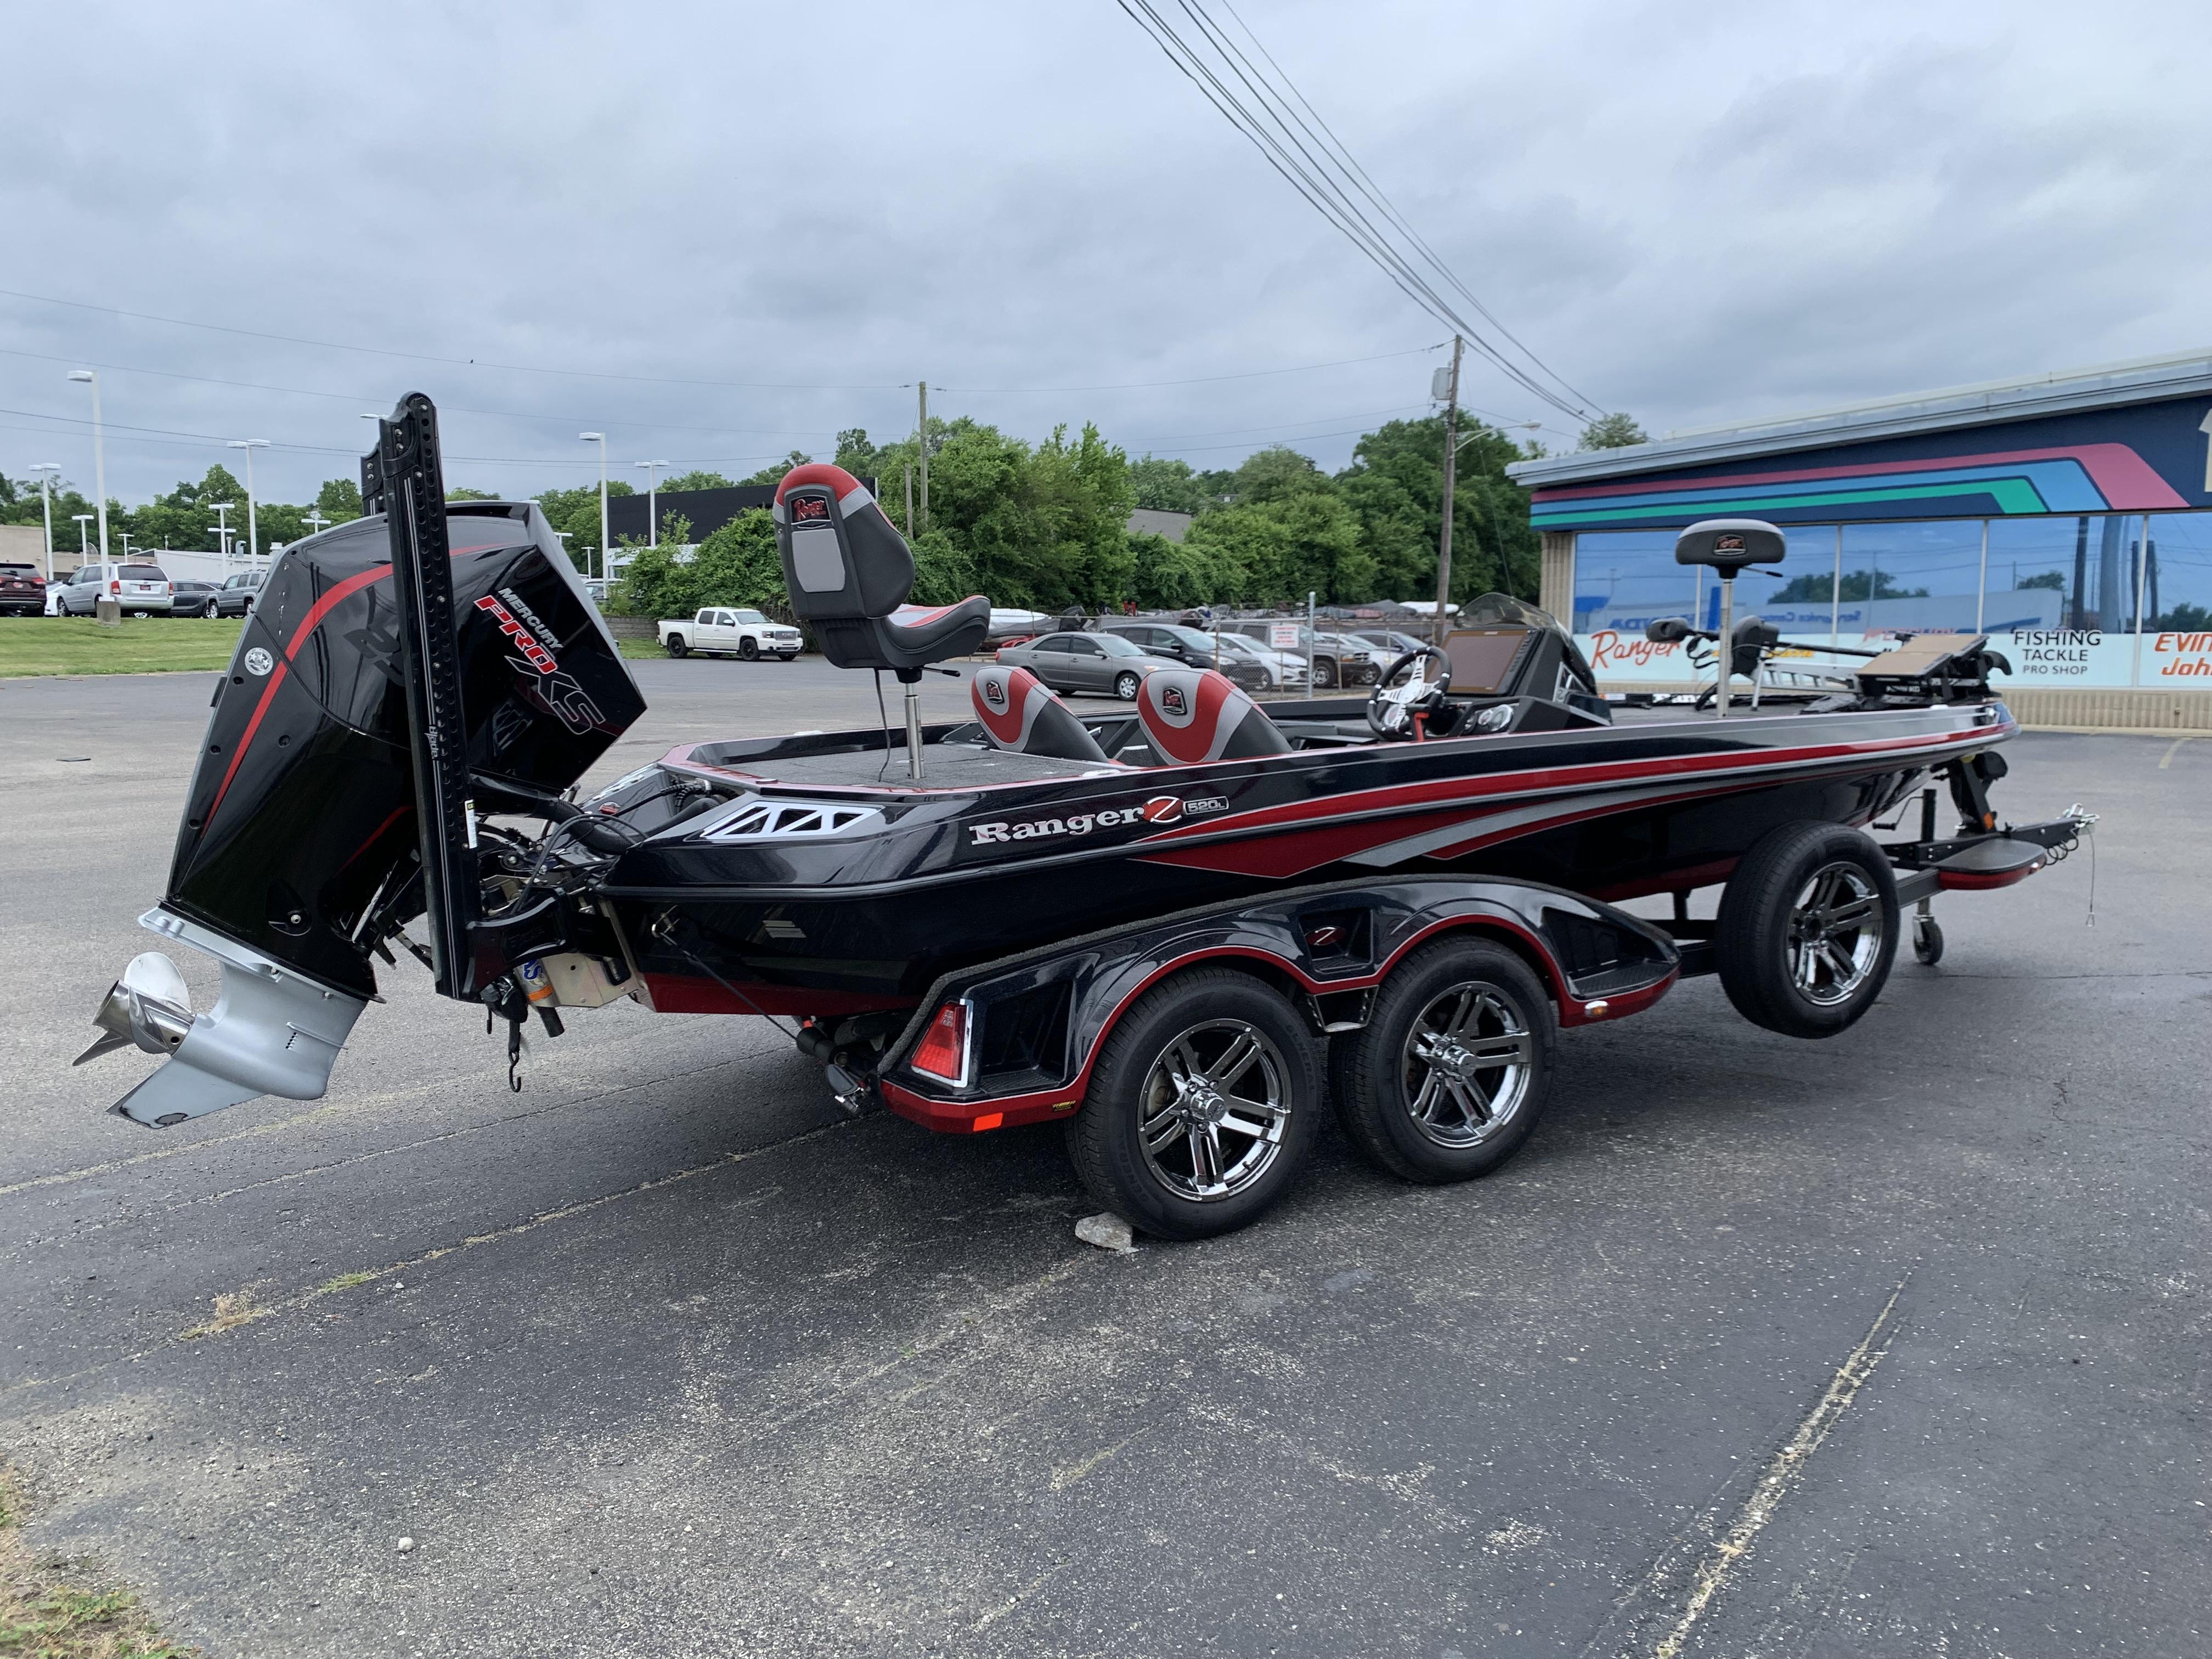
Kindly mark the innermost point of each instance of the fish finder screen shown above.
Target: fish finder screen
(1482, 659)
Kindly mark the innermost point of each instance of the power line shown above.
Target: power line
(444, 409)
(660, 379)
(1282, 137)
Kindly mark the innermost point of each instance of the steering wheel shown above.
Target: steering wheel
(1390, 711)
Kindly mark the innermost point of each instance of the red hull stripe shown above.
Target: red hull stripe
(1444, 790)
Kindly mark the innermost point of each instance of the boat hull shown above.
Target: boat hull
(947, 879)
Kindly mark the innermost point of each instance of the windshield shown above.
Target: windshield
(748, 616)
(1190, 636)
(1114, 645)
(1238, 644)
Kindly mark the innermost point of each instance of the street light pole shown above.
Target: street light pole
(252, 532)
(600, 439)
(99, 454)
(46, 469)
(83, 552)
(315, 520)
(652, 506)
(222, 528)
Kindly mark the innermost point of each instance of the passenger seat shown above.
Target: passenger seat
(1192, 715)
(1020, 713)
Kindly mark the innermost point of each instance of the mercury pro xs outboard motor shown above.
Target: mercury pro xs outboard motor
(421, 655)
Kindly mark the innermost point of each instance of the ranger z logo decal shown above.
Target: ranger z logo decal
(1160, 809)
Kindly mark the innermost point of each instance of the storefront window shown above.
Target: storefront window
(1625, 578)
(2080, 601)
(1914, 577)
(2036, 571)
(2178, 586)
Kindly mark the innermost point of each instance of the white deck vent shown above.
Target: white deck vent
(793, 820)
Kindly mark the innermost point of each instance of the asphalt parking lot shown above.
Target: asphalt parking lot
(1892, 1345)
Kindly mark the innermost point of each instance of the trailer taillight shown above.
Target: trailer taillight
(943, 1050)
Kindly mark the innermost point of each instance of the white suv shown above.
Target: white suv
(142, 590)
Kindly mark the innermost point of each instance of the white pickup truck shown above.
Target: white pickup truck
(729, 631)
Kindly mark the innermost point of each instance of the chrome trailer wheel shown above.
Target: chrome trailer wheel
(1454, 1067)
(1202, 1106)
(1807, 929)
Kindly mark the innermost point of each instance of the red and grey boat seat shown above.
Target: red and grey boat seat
(1018, 712)
(847, 569)
(1195, 714)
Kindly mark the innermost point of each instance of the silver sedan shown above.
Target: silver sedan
(1085, 662)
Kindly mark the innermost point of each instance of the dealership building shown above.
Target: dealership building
(2069, 517)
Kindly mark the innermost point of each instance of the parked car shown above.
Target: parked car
(192, 598)
(720, 631)
(22, 591)
(1086, 662)
(235, 597)
(1393, 642)
(1285, 672)
(1333, 663)
(1358, 662)
(142, 590)
(1188, 645)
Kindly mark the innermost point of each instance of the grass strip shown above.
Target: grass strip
(151, 645)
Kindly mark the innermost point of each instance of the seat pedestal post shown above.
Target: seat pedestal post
(912, 677)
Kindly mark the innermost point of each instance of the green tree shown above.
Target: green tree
(463, 492)
(1611, 432)
(856, 453)
(1277, 551)
(1815, 588)
(1395, 487)
(1165, 485)
(338, 500)
(577, 512)
(772, 473)
(696, 480)
(2053, 580)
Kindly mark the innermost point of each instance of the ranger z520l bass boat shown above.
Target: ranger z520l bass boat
(1180, 926)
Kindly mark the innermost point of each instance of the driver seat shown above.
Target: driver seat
(847, 570)
(1192, 715)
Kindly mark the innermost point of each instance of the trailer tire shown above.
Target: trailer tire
(1137, 1096)
(677, 647)
(1398, 1105)
(1807, 929)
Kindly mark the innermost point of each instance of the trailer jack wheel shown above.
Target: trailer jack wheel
(1927, 940)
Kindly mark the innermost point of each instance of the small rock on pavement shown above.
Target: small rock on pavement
(406, 1545)
(1106, 1230)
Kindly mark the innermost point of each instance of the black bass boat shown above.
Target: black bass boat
(1179, 927)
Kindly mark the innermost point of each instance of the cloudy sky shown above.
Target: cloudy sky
(717, 232)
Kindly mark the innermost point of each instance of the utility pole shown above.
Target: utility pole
(909, 500)
(923, 432)
(1451, 475)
